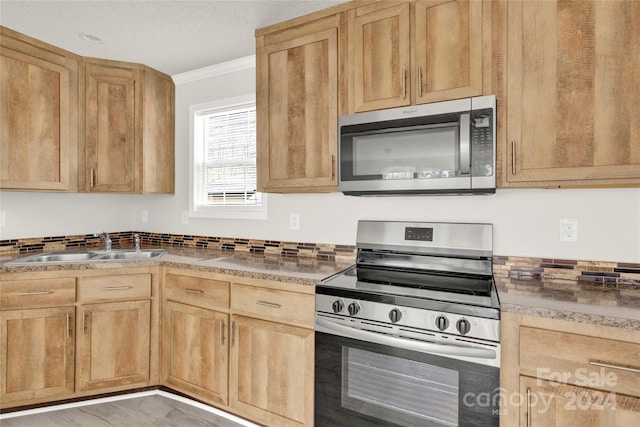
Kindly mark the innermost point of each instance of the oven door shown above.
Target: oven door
(359, 382)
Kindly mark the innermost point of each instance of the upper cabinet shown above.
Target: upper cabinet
(379, 56)
(404, 53)
(573, 76)
(81, 124)
(297, 106)
(38, 115)
(110, 132)
(128, 143)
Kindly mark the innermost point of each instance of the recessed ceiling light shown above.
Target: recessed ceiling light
(90, 38)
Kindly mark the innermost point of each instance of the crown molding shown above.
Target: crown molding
(215, 70)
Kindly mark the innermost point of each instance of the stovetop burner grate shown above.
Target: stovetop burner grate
(438, 281)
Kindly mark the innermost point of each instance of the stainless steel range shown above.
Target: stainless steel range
(410, 335)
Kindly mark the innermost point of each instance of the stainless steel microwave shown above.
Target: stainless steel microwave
(439, 148)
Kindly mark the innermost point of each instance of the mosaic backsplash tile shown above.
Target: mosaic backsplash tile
(596, 272)
(271, 247)
(612, 274)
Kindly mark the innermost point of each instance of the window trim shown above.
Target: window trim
(222, 212)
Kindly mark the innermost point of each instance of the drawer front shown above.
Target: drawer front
(197, 291)
(125, 286)
(37, 292)
(272, 304)
(581, 360)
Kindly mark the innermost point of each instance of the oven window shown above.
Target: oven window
(397, 390)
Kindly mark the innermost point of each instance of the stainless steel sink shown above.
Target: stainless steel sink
(143, 253)
(66, 256)
(57, 257)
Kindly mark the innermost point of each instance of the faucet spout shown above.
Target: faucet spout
(106, 240)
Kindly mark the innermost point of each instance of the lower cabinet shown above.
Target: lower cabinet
(557, 373)
(37, 357)
(550, 404)
(271, 372)
(244, 345)
(113, 344)
(69, 334)
(197, 343)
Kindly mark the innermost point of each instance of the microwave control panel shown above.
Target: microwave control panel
(482, 154)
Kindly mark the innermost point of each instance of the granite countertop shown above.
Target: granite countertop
(299, 270)
(616, 306)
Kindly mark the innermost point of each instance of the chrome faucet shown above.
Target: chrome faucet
(136, 239)
(107, 241)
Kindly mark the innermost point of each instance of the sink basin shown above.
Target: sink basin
(141, 254)
(58, 257)
(66, 256)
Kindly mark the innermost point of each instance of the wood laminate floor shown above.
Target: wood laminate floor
(153, 410)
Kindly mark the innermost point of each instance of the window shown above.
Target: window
(224, 160)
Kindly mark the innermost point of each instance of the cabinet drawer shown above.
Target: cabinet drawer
(125, 286)
(37, 292)
(197, 291)
(592, 362)
(284, 306)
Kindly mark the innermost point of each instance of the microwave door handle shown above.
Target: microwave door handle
(465, 144)
(420, 346)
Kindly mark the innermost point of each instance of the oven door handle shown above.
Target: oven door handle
(420, 346)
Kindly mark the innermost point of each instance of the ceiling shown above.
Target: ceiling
(172, 36)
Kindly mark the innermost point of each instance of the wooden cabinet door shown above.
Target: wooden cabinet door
(271, 372)
(113, 344)
(158, 133)
(297, 108)
(379, 56)
(549, 404)
(572, 93)
(110, 134)
(38, 118)
(37, 357)
(195, 351)
(448, 49)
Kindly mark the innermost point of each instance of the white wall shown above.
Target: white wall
(526, 222)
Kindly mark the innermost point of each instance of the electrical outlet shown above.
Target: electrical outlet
(294, 221)
(184, 217)
(568, 230)
(144, 216)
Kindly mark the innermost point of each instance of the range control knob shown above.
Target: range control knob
(395, 315)
(353, 308)
(463, 326)
(442, 322)
(337, 306)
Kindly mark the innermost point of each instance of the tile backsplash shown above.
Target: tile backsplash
(596, 272)
(270, 247)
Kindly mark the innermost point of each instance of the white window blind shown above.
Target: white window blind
(225, 160)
